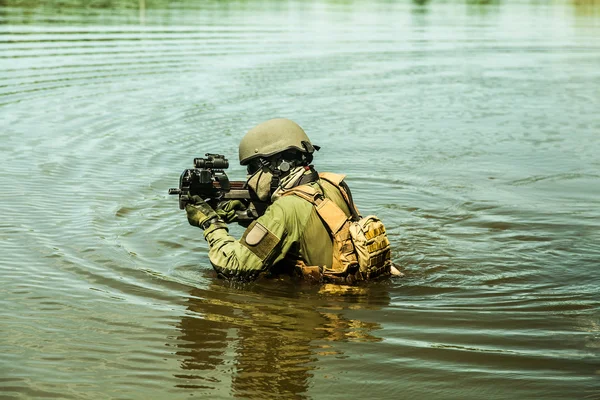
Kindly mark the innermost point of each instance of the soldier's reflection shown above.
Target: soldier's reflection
(269, 344)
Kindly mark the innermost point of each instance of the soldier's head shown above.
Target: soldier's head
(274, 148)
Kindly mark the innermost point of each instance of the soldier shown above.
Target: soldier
(291, 237)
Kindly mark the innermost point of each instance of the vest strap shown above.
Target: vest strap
(329, 212)
(337, 180)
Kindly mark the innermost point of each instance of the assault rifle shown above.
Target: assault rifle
(209, 181)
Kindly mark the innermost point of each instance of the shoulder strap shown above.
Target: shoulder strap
(330, 213)
(337, 180)
(332, 178)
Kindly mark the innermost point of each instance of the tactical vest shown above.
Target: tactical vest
(361, 249)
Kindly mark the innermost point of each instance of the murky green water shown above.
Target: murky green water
(473, 130)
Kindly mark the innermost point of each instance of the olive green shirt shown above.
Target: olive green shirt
(290, 230)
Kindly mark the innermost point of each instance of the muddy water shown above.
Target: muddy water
(471, 129)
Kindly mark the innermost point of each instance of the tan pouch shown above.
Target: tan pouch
(361, 249)
(371, 245)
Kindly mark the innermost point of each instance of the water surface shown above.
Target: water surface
(471, 129)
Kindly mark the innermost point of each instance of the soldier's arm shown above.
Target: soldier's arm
(264, 243)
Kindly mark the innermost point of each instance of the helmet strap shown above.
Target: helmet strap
(280, 167)
(275, 180)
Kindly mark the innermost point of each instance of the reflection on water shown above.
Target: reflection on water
(269, 348)
(469, 127)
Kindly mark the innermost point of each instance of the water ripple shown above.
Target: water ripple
(444, 117)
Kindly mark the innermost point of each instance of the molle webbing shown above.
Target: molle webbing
(361, 249)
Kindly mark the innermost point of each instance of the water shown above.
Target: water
(471, 129)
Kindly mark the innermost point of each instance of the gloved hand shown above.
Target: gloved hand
(199, 213)
(227, 210)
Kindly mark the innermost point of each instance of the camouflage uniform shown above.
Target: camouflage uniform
(288, 232)
(291, 236)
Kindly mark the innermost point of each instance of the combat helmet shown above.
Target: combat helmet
(272, 137)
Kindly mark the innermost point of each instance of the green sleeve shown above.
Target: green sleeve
(245, 259)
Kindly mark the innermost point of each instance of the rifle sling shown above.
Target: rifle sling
(308, 178)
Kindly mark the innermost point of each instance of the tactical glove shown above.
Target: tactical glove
(200, 214)
(227, 210)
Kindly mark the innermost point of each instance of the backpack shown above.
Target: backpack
(361, 249)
